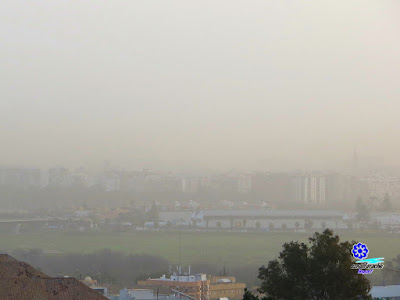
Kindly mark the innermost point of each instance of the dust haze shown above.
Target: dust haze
(182, 150)
(202, 85)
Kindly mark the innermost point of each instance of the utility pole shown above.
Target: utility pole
(180, 244)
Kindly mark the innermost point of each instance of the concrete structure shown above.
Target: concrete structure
(231, 219)
(80, 179)
(134, 294)
(143, 294)
(271, 187)
(309, 189)
(388, 292)
(146, 180)
(245, 184)
(298, 189)
(59, 176)
(20, 177)
(387, 220)
(102, 290)
(194, 286)
(16, 226)
(323, 189)
(194, 184)
(110, 182)
(379, 185)
(175, 216)
(191, 185)
(226, 287)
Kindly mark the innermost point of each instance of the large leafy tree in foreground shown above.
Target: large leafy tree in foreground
(318, 270)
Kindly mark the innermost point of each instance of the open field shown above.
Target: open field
(230, 248)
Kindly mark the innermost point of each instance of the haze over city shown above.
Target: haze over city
(199, 150)
(186, 85)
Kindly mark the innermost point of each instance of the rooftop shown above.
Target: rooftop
(46, 288)
(268, 213)
(19, 280)
(385, 291)
(12, 268)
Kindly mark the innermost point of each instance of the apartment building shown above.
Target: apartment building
(20, 177)
(226, 287)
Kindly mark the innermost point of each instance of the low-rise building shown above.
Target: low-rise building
(195, 287)
(388, 292)
(144, 294)
(226, 287)
(263, 218)
(198, 287)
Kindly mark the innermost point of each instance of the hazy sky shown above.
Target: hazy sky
(199, 84)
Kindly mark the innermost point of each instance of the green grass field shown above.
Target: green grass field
(212, 247)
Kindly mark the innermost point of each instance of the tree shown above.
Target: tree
(219, 225)
(388, 276)
(349, 225)
(308, 224)
(386, 205)
(169, 224)
(249, 295)
(361, 210)
(271, 226)
(297, 225)
(320, 270)
(323, 224)
(373, 202)
(194, 223)
(135, 217)
(258, 225)
(153, 214)
(244, 223)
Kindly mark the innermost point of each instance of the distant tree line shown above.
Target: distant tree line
(105, 266)
(113, 267)
(390, 274)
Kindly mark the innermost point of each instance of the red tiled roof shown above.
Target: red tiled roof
(12, 268)
(46, 289)
(20, 281)
(6, 258)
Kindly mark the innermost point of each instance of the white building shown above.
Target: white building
(379, 185)
(309, 189)
(244, 184)
(59, 176)
(20, 177)
(391, 292)
(111, 182)
(263, 218)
